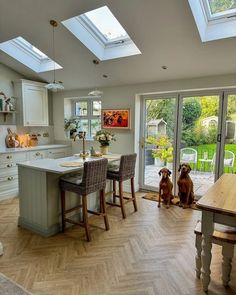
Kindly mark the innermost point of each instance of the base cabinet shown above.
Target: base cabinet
(9, 169)
(9, 173)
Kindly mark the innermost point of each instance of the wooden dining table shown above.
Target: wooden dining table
(218, 205)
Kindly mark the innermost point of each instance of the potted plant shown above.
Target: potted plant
(163, 153)
(71, 125)
(104, 137)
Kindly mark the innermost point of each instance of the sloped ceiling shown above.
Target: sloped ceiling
(164, 31)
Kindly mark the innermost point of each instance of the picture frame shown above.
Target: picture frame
(115, 118)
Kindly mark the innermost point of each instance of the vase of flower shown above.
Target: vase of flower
(104, 138)
(104, 149)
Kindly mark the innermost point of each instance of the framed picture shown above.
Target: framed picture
(115, 118)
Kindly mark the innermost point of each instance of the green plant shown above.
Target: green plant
(163, 150)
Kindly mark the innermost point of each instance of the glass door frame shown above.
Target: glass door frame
(144, 98)
(222, 93)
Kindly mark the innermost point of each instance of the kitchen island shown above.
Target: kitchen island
(39, 194)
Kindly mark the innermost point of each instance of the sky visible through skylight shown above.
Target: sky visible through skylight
(218, 6)
(31, 47)
(106, 23)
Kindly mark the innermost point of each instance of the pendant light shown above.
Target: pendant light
(95, 92)
(55, 85)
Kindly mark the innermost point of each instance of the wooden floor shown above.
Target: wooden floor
(150, 253)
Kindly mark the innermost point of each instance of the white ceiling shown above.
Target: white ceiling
(163, 30)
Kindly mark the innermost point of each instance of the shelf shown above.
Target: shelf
(5, 113)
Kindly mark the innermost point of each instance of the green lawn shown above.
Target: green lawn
(211, 149)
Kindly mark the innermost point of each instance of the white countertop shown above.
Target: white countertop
(4, 150)
(53, 165)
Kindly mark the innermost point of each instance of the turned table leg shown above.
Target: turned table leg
(207, 231)
(227, 253)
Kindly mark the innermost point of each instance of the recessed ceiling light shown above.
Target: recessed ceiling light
(164, 67)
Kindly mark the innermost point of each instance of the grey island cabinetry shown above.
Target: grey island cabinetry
(39, 194)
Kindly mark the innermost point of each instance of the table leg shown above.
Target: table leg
(207, 231)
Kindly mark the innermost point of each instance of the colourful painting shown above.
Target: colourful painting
(119, 118)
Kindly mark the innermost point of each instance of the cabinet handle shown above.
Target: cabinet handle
(9, 165)
(37, 154)
(10, 178)
(9, 157)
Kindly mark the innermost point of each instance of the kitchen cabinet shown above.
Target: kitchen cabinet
(9, 173)
(58, 153)
(31, 103)
(9, 170)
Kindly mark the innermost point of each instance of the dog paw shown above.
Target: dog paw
(158, 205)
(167, 206)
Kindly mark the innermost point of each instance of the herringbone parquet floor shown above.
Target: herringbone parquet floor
(150, 253)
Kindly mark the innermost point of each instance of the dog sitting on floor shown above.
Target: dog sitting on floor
(165, 187)
(185, 185)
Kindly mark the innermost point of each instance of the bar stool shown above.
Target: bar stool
(125, 171)
(92, 180)
(224, 236)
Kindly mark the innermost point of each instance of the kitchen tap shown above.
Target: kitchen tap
(82, 135)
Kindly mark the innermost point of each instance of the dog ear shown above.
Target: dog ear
(180, 165)
(189, 168)
(160, 172)
(169, 172)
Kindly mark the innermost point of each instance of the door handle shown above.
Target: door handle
(142, 142)
(218, 137)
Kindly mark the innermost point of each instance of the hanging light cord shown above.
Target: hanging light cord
(53, 51)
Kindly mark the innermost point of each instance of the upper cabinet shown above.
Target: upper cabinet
(32, 103)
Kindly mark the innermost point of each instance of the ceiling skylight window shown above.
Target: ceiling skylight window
(102, 33)
(215, 19)
(29, 55)
(106, 23)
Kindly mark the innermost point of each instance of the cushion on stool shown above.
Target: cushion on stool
(75, 178)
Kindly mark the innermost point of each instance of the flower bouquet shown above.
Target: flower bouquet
(104, 137)
(71, 125)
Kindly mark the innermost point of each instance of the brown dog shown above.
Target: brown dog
(185, 185)
(165, 187)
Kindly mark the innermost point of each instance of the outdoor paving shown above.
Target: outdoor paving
(202, 181)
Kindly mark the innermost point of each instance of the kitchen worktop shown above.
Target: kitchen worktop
(54, 165)
(4, 150)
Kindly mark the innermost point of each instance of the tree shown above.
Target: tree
(221, 5)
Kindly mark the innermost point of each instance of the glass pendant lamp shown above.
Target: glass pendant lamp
(55, 85)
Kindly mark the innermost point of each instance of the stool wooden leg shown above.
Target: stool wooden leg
(85, 217)
(121, 199)
(227, 253)
(63, 208)
(114, 191)
(133, 194)
(198, 245)
(103, 202)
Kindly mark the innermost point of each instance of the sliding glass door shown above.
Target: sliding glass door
(199, 129)
(158, 138)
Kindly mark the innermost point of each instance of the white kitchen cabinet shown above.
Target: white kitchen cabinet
(32, 103)
(36, 155)
(9, 173)
(58, 153)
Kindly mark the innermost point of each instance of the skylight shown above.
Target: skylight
(102, 34)
(215, 19)
(103, 19)
(29, 55)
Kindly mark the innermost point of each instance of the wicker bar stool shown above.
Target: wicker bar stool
(125, 171)
(92, 180)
